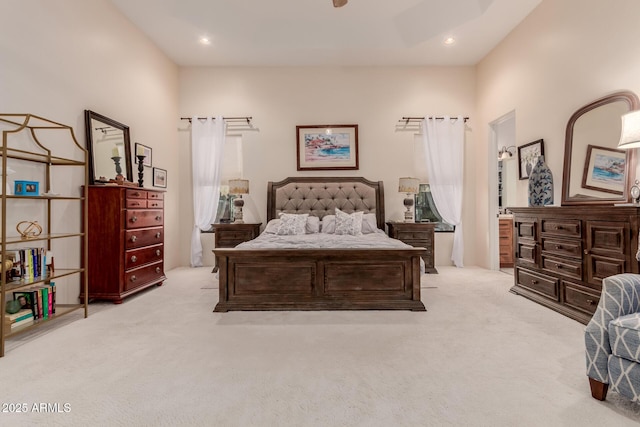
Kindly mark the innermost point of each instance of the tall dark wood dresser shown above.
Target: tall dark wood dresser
(126, 241)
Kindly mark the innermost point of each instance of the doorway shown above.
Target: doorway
(503, 179)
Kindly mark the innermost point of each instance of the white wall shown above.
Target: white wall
(565, 54)
(374, 98)
(61, 57)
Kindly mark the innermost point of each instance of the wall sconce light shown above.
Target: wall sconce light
(630, 136)
(410, 186)
(238, 187)
(505, 152)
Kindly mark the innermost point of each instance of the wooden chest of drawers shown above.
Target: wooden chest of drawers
(126, 241)
(506, 242)
(418, 235)
(563, 253)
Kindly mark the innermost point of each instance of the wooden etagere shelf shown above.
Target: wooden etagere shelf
(42, 158)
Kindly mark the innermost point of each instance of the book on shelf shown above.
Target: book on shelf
(23, 322)
(28, 299)
(24, 313)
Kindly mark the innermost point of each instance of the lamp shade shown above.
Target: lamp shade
(630, 136)
(238, 186)
(409, 185)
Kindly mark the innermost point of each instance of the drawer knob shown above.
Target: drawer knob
(136, 194)
(158, 252)
(586, 252)
(135, 204)
(158, 235)
(534, 282)
(591, 302)
(558, 266)
(134, 218)
(559, 227)
(133, 238)
(153, 205)
(158, 218)
(134, 258)
(133, 278)
(558, 246)
(158, 270)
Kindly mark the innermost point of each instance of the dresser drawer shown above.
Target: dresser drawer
(562, 227)
(144, 218)
(152, 195)
(568, 248)
(406, 235)
(138, 238)
(230, 239)
(143, 276)
(137, 257)
(527, 252)
(538, 283)
(581, 298)
(565, 267)
(527, 229)
(157, 204)
(136, 194)
(136, 203)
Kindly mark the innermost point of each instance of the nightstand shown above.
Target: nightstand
(229, 235)
(417, 234)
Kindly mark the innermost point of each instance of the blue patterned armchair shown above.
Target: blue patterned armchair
(612, 339)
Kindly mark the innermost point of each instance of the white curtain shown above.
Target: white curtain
(444, 149)
(207, 145)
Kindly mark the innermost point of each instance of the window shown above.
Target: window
(231, 168)
(426, 209)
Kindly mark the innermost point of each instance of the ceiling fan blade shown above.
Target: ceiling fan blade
(339, 3)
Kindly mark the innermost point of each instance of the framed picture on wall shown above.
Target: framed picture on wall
(159, 178)
(528, 157)
(327, 147)
(604, 169)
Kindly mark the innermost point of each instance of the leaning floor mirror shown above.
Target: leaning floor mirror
(109, 149)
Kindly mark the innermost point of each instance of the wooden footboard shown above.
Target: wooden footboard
(319, 279)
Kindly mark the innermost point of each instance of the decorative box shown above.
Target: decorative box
(27, 188)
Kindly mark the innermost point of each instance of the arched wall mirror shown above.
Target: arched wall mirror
(109, 148)
(595, 171)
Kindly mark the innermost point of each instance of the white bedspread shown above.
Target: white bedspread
(377, 240)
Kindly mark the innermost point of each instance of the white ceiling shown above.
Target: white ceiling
(314, 33)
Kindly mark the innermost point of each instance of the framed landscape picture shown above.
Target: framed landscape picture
(327, 147)
(604, 169)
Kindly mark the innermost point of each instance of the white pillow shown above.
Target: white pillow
(313, 225)
(292, 224)
(349, 223)
(328, 224)
(272, 226)
(369, 223)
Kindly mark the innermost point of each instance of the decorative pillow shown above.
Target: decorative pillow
(272, 226)
(292, 224)
(349, 223)
(313, 225)
(328, 224)
(369, 223)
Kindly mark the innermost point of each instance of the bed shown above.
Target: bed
(321, 278)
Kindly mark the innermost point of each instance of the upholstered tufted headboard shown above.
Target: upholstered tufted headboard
(320, 196)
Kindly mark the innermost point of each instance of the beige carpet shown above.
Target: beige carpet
(479, 356)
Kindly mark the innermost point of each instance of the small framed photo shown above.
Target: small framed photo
(26, 188)
(143, 150)
(327, 147)
(159, 178)
(528, 157)
(605, 169)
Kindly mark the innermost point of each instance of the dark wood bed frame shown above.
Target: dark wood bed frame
(320, 279)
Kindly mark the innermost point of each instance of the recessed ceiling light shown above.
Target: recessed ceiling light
(449, 41)
(205, 41)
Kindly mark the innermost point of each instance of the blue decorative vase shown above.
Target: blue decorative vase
(540, 184)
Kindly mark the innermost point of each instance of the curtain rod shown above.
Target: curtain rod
(406, 120)
(229, 119)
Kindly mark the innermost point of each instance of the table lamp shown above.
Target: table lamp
(410, 186)
(238, 187)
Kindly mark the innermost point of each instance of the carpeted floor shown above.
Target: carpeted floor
(479, 356)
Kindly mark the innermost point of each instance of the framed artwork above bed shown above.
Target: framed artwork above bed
(327, 147)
